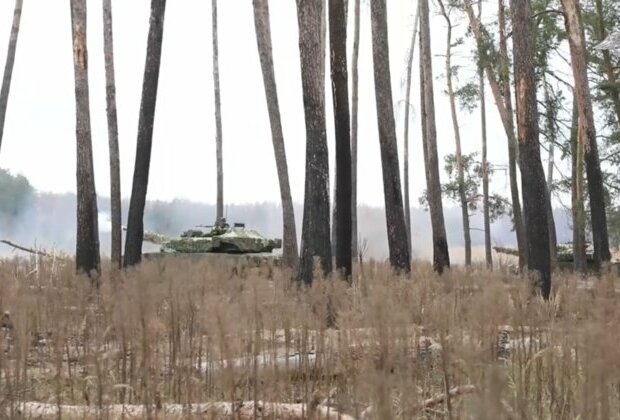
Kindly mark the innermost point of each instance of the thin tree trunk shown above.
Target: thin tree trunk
(115, 174)
(394, 212)
(8, 67)
(513, 151)
(324, 29)
(87, 259)
(587, 132)
(323, 34)
(552, 137)
(423, 117)
(441, 257)
(532, 174)
(334, 229)
(577, 190)
(218, 114)
(135, 222)
(416, 21)
(354, 118)
(503, 101)
(219, 213)
(608, 67)
(263, 37)
(488, 252)
(315, 240)
(553, 244)
(457, 139)
(340, 95)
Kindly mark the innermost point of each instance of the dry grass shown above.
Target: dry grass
(195, 333)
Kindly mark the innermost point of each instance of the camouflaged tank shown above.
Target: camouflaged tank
(565, 257)
(219, 238)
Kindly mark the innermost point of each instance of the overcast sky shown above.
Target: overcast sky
(39, 137)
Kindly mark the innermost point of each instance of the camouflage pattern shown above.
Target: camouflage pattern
(221, 238)
(565, 252)
(566, 257)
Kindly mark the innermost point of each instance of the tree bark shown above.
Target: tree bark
(394, 212)
(578, 211)
(115, 174)
(532, 174)
(87, 259)
(315, 240)
(340, 95)
(551, 119)
(8, 67)
(416, 21)
(423, 117)
(263, 37)
(218, 114)
(441, 257)
(457, 138)
(488, 251)
(608, 67)
(354, 118)
(513, 151)
(502, 96)
(135, 223)
(587, 131)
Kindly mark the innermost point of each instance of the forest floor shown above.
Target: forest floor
(211, 340)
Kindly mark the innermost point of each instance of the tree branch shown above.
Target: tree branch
(29, 250)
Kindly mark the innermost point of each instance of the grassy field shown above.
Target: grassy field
(213, 340)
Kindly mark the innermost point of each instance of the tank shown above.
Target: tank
(566, 258)
(217, 238)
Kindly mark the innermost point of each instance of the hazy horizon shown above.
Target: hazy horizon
(49, 222)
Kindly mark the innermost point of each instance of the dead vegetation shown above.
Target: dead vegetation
(209, 340)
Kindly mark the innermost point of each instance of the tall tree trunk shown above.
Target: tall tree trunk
(219, 213)
(488, 252)
(394, 212)
(424, 118)
(354, 118)
(135, 222)
(457, 139)
(587, 131)
(8, 68)
(323, 35)
(551, 119)
(263, 38)
(115, 174)
(315, 240)
(416, 21)
(340, 95)
(513, 151)
(441, 257)
(532, 174)
(503, 101)
(577, 194)
(608, 67)
(87, 259)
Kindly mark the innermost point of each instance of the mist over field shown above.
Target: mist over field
(48, 221)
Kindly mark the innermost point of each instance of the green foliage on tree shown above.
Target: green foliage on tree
(472, 168)
(15, 194)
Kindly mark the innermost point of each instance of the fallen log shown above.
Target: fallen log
(438, 399)
(29, 250)
(216, 410)
(424, 346)
(429, 402)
